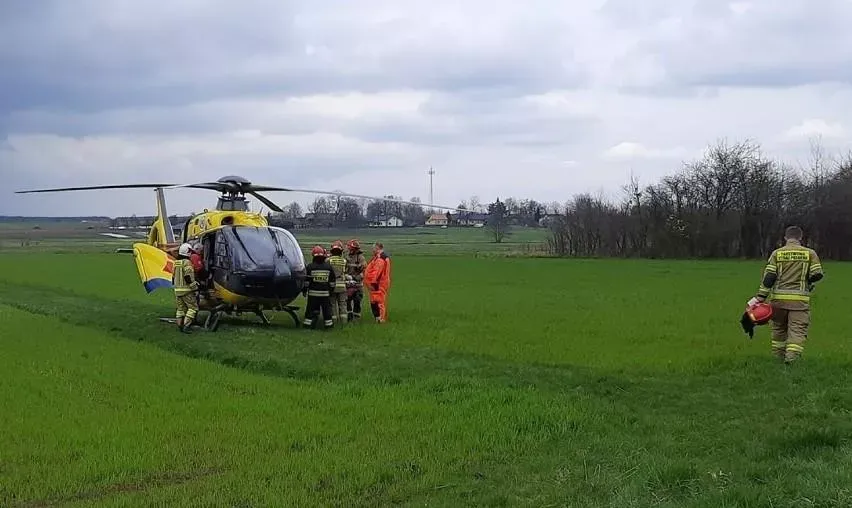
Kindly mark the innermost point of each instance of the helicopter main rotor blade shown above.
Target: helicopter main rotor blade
(267, 202)
(99, 187)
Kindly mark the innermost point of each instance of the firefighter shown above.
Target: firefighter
(183, 279)
(320, 275)
(788, 280)
(356, 263)
(378, 275)
(338, 295)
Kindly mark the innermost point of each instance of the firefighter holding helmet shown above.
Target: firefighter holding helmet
(787, 284)
(320, 276)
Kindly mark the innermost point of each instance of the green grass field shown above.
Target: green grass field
(500, 381)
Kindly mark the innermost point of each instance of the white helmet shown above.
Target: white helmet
(185, 250)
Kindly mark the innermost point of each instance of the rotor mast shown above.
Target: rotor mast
(233, 197)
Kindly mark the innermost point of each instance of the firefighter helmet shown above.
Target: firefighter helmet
(185, 250)
(337, 245)
(318, 251)
(760, 314)
(354, 244)
(755, 315)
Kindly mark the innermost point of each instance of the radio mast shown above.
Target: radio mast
(431, 174)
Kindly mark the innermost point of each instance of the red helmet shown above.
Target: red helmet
(760, 314)
(318, 250)
(354, 244)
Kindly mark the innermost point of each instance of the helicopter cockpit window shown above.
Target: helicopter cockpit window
(260, 249)
(290, 246)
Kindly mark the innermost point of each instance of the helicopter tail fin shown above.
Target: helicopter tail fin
(155, 267)
(161, 233)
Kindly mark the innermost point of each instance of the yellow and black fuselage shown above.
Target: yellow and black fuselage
(247, 263)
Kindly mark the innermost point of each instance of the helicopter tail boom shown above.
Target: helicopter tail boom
(161, 233)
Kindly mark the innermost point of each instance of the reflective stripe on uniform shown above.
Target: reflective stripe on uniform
(788, 255)
(790, 295)
(796, 348)
(339, 263)
(182, 268)
(792, 267)
(313, 292)
(320, 275)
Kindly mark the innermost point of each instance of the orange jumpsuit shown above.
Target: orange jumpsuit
(377, 277)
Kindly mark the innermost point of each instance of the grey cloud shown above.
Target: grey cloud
(89, 55)
(762, 43)
(443, 119)
(194, 119)
(484, 119)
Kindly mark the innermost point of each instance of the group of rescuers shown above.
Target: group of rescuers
(335, 284)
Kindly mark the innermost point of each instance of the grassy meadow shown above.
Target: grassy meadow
(500, 380)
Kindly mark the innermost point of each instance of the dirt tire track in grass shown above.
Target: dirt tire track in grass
(147, 482)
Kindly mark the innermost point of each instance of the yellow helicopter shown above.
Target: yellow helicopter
(250, 266)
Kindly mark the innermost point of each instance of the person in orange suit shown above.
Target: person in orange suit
(378, 279)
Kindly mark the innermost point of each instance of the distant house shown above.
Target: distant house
(471, 219)
(386, 222)
(437, 219)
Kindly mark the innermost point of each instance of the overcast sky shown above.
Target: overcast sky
(540, 99)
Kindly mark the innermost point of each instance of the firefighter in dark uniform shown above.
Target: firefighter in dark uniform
(321, 280)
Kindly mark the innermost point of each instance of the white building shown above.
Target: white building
(387, 222)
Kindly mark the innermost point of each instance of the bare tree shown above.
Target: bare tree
(732, 202)
(498, 225)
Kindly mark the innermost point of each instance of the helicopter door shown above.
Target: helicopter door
(207, 246)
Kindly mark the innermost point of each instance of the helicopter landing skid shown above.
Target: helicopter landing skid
(289, 309)
(211, 323)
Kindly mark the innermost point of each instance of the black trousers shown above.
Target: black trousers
(313, 308)
(354, 303)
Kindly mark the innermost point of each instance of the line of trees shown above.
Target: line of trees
(350, 212)
(733, 203)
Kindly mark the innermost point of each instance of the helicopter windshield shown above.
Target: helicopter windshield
(260, 249)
